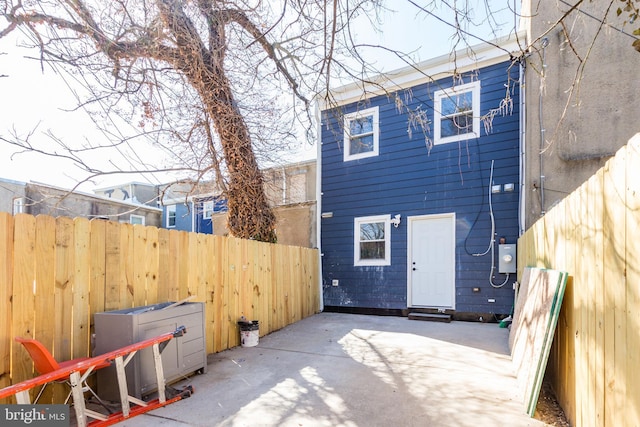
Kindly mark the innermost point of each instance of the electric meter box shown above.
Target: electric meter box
(506, 259)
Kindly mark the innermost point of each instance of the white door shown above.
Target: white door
(431, 261)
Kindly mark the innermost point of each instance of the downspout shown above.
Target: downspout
(523, 158)
(319, 200)
(545, 43)
(193, 215)
(284, 186)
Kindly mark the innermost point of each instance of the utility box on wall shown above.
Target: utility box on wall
(181, 357)
(506, 259)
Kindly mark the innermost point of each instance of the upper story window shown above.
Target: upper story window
(361, 134)
(372, 243)
(207, 209)
(171, 216)
(18, 205)
(136, 219)
(457, 113)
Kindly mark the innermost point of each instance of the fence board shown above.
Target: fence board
(139, 267)
(152, 265)
(235, 282)
(127, 261)
(226, 294)
(596, 192)
(209, 294)
(6, 290)
(45, 279)
(112, 266)
(165, 272)
(80, 290)
(97, 292)
(193, 268)
(632, 256)
(615, 204)
(22, 298)
(63, 300)
(182, 287)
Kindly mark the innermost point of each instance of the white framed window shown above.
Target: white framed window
(372, 240)
(207, 209)
(18, 205)
(136, 219)
(171, 216)
(457, 113)
(361, 134)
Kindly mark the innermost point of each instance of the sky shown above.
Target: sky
(39, 102)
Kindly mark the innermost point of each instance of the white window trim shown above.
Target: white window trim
(169, 209)
(347, 137)
(387, 240)
(141, 217)
(474, 88)
(207, 213)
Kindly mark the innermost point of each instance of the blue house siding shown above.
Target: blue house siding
(205, 225)
(409, 179)
(183, 217)
(190, 215)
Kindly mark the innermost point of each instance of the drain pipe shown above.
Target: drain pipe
(523, 134)
(318, 117)
(545, 43)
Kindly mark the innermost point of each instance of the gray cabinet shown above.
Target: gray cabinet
(181, 357)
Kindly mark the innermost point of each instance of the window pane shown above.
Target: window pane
(456, 125)
(464, 101)
(361, 145)
(372, 231)
(207, 209)
(453, 104)
(447, 105)
(361, 125)
(372, 250)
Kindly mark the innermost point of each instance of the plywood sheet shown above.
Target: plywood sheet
(535, 317)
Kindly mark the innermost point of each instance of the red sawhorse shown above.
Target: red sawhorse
(76, 374)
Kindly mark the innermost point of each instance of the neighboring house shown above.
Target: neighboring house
(407, 221)
(136, 192)
(36, 199)
(290, 189)
(12, 196)
(577, 118)
(190, 206)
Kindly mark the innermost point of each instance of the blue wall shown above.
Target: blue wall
(184, 215)
(408, 179)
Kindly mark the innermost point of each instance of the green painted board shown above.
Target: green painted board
(548, 341)
(535, 318)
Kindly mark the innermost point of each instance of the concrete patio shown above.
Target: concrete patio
(352, 370)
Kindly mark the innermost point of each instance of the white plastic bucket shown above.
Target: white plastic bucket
(249, 332)
(249, 338)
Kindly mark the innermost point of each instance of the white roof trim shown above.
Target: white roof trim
(468, 59)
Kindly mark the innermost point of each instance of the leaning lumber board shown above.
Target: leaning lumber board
(535, 312)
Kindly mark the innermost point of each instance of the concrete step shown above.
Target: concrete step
(433, 317)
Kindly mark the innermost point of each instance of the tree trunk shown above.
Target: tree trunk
(249, 216)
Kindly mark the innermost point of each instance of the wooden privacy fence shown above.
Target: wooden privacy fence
(55, 273)
(594, 235)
